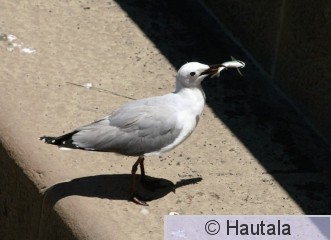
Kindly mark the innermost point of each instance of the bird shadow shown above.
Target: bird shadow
(113, 187)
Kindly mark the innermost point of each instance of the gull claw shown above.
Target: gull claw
(136, 199)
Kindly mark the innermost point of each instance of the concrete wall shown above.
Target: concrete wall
(21, 205)
(290, 39)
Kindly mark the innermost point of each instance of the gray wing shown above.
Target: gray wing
(135, 129)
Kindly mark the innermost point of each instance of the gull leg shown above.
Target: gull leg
(142, 169)
(133, 193)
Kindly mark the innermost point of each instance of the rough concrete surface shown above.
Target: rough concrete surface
(251, 153)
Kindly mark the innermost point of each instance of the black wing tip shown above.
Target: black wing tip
(49, 140)
(61, 141)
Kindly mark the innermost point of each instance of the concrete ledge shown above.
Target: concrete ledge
(21, 203)
(251, 153)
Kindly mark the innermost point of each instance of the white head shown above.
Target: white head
(191, 74)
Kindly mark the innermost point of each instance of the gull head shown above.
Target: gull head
(191, 74)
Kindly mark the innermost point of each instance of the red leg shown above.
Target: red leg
(142, 168)
(133, 193)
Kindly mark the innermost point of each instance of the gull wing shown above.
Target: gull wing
(139, 127)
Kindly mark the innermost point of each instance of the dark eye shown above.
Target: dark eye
(192, 73)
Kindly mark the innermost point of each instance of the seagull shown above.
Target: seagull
(150, 126)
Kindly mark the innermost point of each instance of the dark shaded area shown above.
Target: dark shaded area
(113, 187)
(20, 206)
(266, 123)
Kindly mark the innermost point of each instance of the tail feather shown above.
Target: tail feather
(61, 141)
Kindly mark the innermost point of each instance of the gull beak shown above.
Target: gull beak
(213, 69)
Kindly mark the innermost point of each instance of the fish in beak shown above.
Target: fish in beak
(215, 69)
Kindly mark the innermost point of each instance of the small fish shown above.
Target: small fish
(230, 64)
